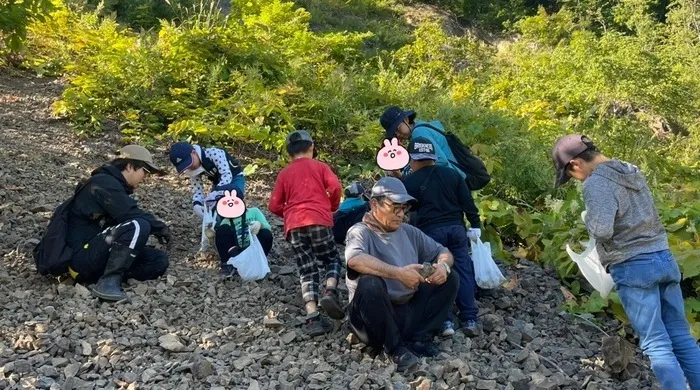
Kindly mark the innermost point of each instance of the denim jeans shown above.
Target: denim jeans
(455, 239)
(650, 292)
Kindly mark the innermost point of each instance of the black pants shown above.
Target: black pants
(90, 260)
(379, 323)
(226, 238)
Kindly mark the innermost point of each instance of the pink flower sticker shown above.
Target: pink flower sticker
(392, 156)
(230, 206)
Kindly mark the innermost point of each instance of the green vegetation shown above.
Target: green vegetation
(625, 73)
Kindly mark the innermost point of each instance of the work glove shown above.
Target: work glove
(199, 210)
(474, 234)
(583, 216)
(164, 236)
(255, 227)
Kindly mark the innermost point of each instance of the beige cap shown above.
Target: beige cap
(136, 152)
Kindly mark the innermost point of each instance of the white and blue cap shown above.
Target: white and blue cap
(393, 189)
(422, 148)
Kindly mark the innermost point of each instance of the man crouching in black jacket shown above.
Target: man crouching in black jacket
(108, 231)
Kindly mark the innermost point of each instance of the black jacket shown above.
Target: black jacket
(445, 200)
(105, 201)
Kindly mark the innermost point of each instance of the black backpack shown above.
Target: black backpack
(472, 166)
(344, 220)
(52, 254)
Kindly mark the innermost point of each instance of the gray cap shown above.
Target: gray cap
(566, 149)
(299, 135)
(393, 189)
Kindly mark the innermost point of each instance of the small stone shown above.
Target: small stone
(289, 337)
(48, 371)
(272, 322)
(171, 279)
(59, 362)
(171, 342)
(319, 377)
(85, 348)
(483, 384)
(286, 270)
(522, 356)
(160, 323)
(242, 362)
(71, 370)
(254, 385)
(617, 353)
(492, 322)
(202, 369)
(148, 375)
(22, 366)
(438, 370)
(357, 383)
(81, 291)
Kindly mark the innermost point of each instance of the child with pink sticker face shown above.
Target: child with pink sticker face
(234, 226)
(392, 156)
(230, 206)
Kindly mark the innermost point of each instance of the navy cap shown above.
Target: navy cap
(566, 149)
(392, 118)
(422, 148)
(181, 156)
(392, 188)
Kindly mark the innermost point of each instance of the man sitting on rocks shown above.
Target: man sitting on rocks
(393, 304)
(108, 231)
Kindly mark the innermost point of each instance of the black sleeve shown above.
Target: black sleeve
(466, 201)
(118, 205)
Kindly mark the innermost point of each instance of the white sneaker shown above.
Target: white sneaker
(448, 329)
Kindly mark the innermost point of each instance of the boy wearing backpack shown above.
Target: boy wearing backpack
(442, 202)
(350, 211)
(306, 194)
(449, 150)
(223, 170)
(633, 246)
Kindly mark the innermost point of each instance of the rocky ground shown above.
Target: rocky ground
(190, 330)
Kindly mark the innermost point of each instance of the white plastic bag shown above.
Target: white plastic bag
(589, 263)
(486, 271)
(208, 220)
(252, 262)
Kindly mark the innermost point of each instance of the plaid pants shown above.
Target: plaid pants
(314, 248)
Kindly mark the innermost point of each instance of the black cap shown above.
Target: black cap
(422, 148)
(566, 149)
(392, 118)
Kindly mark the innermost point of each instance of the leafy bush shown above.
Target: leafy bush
(15, 15)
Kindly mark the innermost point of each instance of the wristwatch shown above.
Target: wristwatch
(447, 267)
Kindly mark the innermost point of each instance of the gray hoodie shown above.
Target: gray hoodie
(620, 213)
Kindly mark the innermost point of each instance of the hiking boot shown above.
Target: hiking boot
(317, 325)
(108, 286)
(404, 359)
(424, 348)
(227, 271)
(329, 303)
(448, 329)
(470, 329)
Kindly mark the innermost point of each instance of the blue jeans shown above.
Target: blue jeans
(455, 239)
(649, 289)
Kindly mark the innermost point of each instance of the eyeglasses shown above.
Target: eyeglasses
(146, 170)
(398, 208)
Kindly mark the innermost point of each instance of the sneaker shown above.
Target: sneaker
(470, 329)
(317, 325)
(404, 359)
(227, 271)
(424, 348)
(329, 303)
(448, 329)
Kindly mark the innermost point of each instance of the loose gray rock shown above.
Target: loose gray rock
(171, 342)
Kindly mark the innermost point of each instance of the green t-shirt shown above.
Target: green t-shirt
(251, 214)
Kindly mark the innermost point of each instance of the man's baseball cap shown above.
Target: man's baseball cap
(392, 188)
(139, 153)
(421, 148)
(181, 156)
(299, 135)
(354, 190)
(566, 149)
(392, 118)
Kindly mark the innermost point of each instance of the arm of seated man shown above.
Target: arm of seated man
(443, 267)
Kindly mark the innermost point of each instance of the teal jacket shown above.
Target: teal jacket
(442, 148)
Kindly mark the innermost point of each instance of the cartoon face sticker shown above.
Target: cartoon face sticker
(392, 156)
(230, 206)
